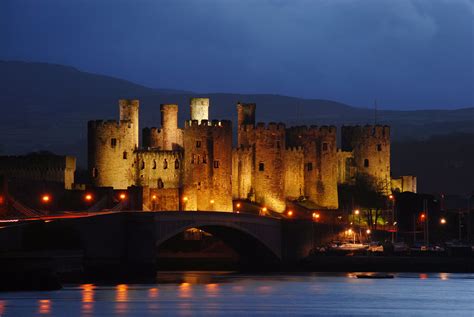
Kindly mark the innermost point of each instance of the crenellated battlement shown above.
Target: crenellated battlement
(367, 131)
(243, 149)
(272, 126)
(193, 124)
(159, 154)
(295, 149)
(312, 130)
(110, 124)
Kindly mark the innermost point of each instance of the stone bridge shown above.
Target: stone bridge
(133, 238)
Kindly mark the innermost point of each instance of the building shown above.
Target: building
(198, 167)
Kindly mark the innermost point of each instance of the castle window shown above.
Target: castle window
(204, 159)
(95, 173)
(176, 164)
(379, 147)
(193, 159)
(325, 146)
(199, 186)
(160, 183)
(154, 165)
(125, 155)
(261, 167)
(198, 144)
(216, 164)
(309, 166)
(165, 164)
(143, 165)
(366, 163)
(278, 144)
(113, 142)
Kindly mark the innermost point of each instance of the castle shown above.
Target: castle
(199, 168)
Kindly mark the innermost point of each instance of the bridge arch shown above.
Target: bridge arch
(254, 249)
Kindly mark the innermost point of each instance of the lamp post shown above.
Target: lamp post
(357, 212)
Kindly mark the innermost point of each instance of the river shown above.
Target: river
(230, 294)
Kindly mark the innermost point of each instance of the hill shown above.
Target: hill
(46, 107)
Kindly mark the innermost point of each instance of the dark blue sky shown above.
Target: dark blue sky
(407, 54)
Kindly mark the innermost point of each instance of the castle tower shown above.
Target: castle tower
(371, 151)
(246, 120)
(199, 109)
(207, 166)
(129, 112)
(269, 166)
(169, 126)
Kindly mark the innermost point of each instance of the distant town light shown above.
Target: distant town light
(45, 198)
(443, 221)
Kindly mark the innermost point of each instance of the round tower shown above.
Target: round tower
(169, 125)
(129, 110)
(199, 109)
(246, 113)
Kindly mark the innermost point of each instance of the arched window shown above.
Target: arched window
(366, 163)
(95, 172)
(160, 183)
(154, 165)
(125, 155)
(261, 167)
(165, 164)
(143, 165)
(176, 164)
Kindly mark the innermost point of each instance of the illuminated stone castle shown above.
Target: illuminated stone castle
(199, 168)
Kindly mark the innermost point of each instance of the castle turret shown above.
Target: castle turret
(246, 121)
(199, 109)
(169, 126)
(371, 152)
(129, 112)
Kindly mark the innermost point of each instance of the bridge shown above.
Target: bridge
(133, 238)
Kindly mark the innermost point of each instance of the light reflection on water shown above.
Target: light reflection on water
(217, 293)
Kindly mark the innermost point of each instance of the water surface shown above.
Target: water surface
(220, 293)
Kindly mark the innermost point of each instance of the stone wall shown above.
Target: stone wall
(158, 169)
(294, 172)
(243, 171)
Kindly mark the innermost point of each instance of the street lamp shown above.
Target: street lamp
(290, 213)
(45, 199)
(122, 196)
(88, 197)
(442, 221)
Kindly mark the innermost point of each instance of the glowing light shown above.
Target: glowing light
(238, 205)
(212, 201)
(45, 198)
(44, 306)
(290, 213)
(153, 197)
(357, 211)
(122, 196)
(185, 199)
(153, 292)
(264, 209)
(390, 197)
(1, 200)
(316, 215)
(442, 221)
(349, 231)
(422, 216)
(368, 231)
(88, 197)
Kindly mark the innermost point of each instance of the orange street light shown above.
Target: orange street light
(368, 231)
(237, 205)
(88, 197)
(443, 221)
(45, 199)
(357, 211)
(391, 197)
(422, 216)
(153, 197)
(264, 209)
(290, 213)
(122, 196)
(316, 215)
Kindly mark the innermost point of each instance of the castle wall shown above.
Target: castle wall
(169, 126)
(345, 167)
(207, 165)
(40, 167)
(158, 169)
(153, 138)
(163, 199)
(404, 184)
(294, 172)
(243, 170)
(110, 153)
(269, 166)
(371, 149)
